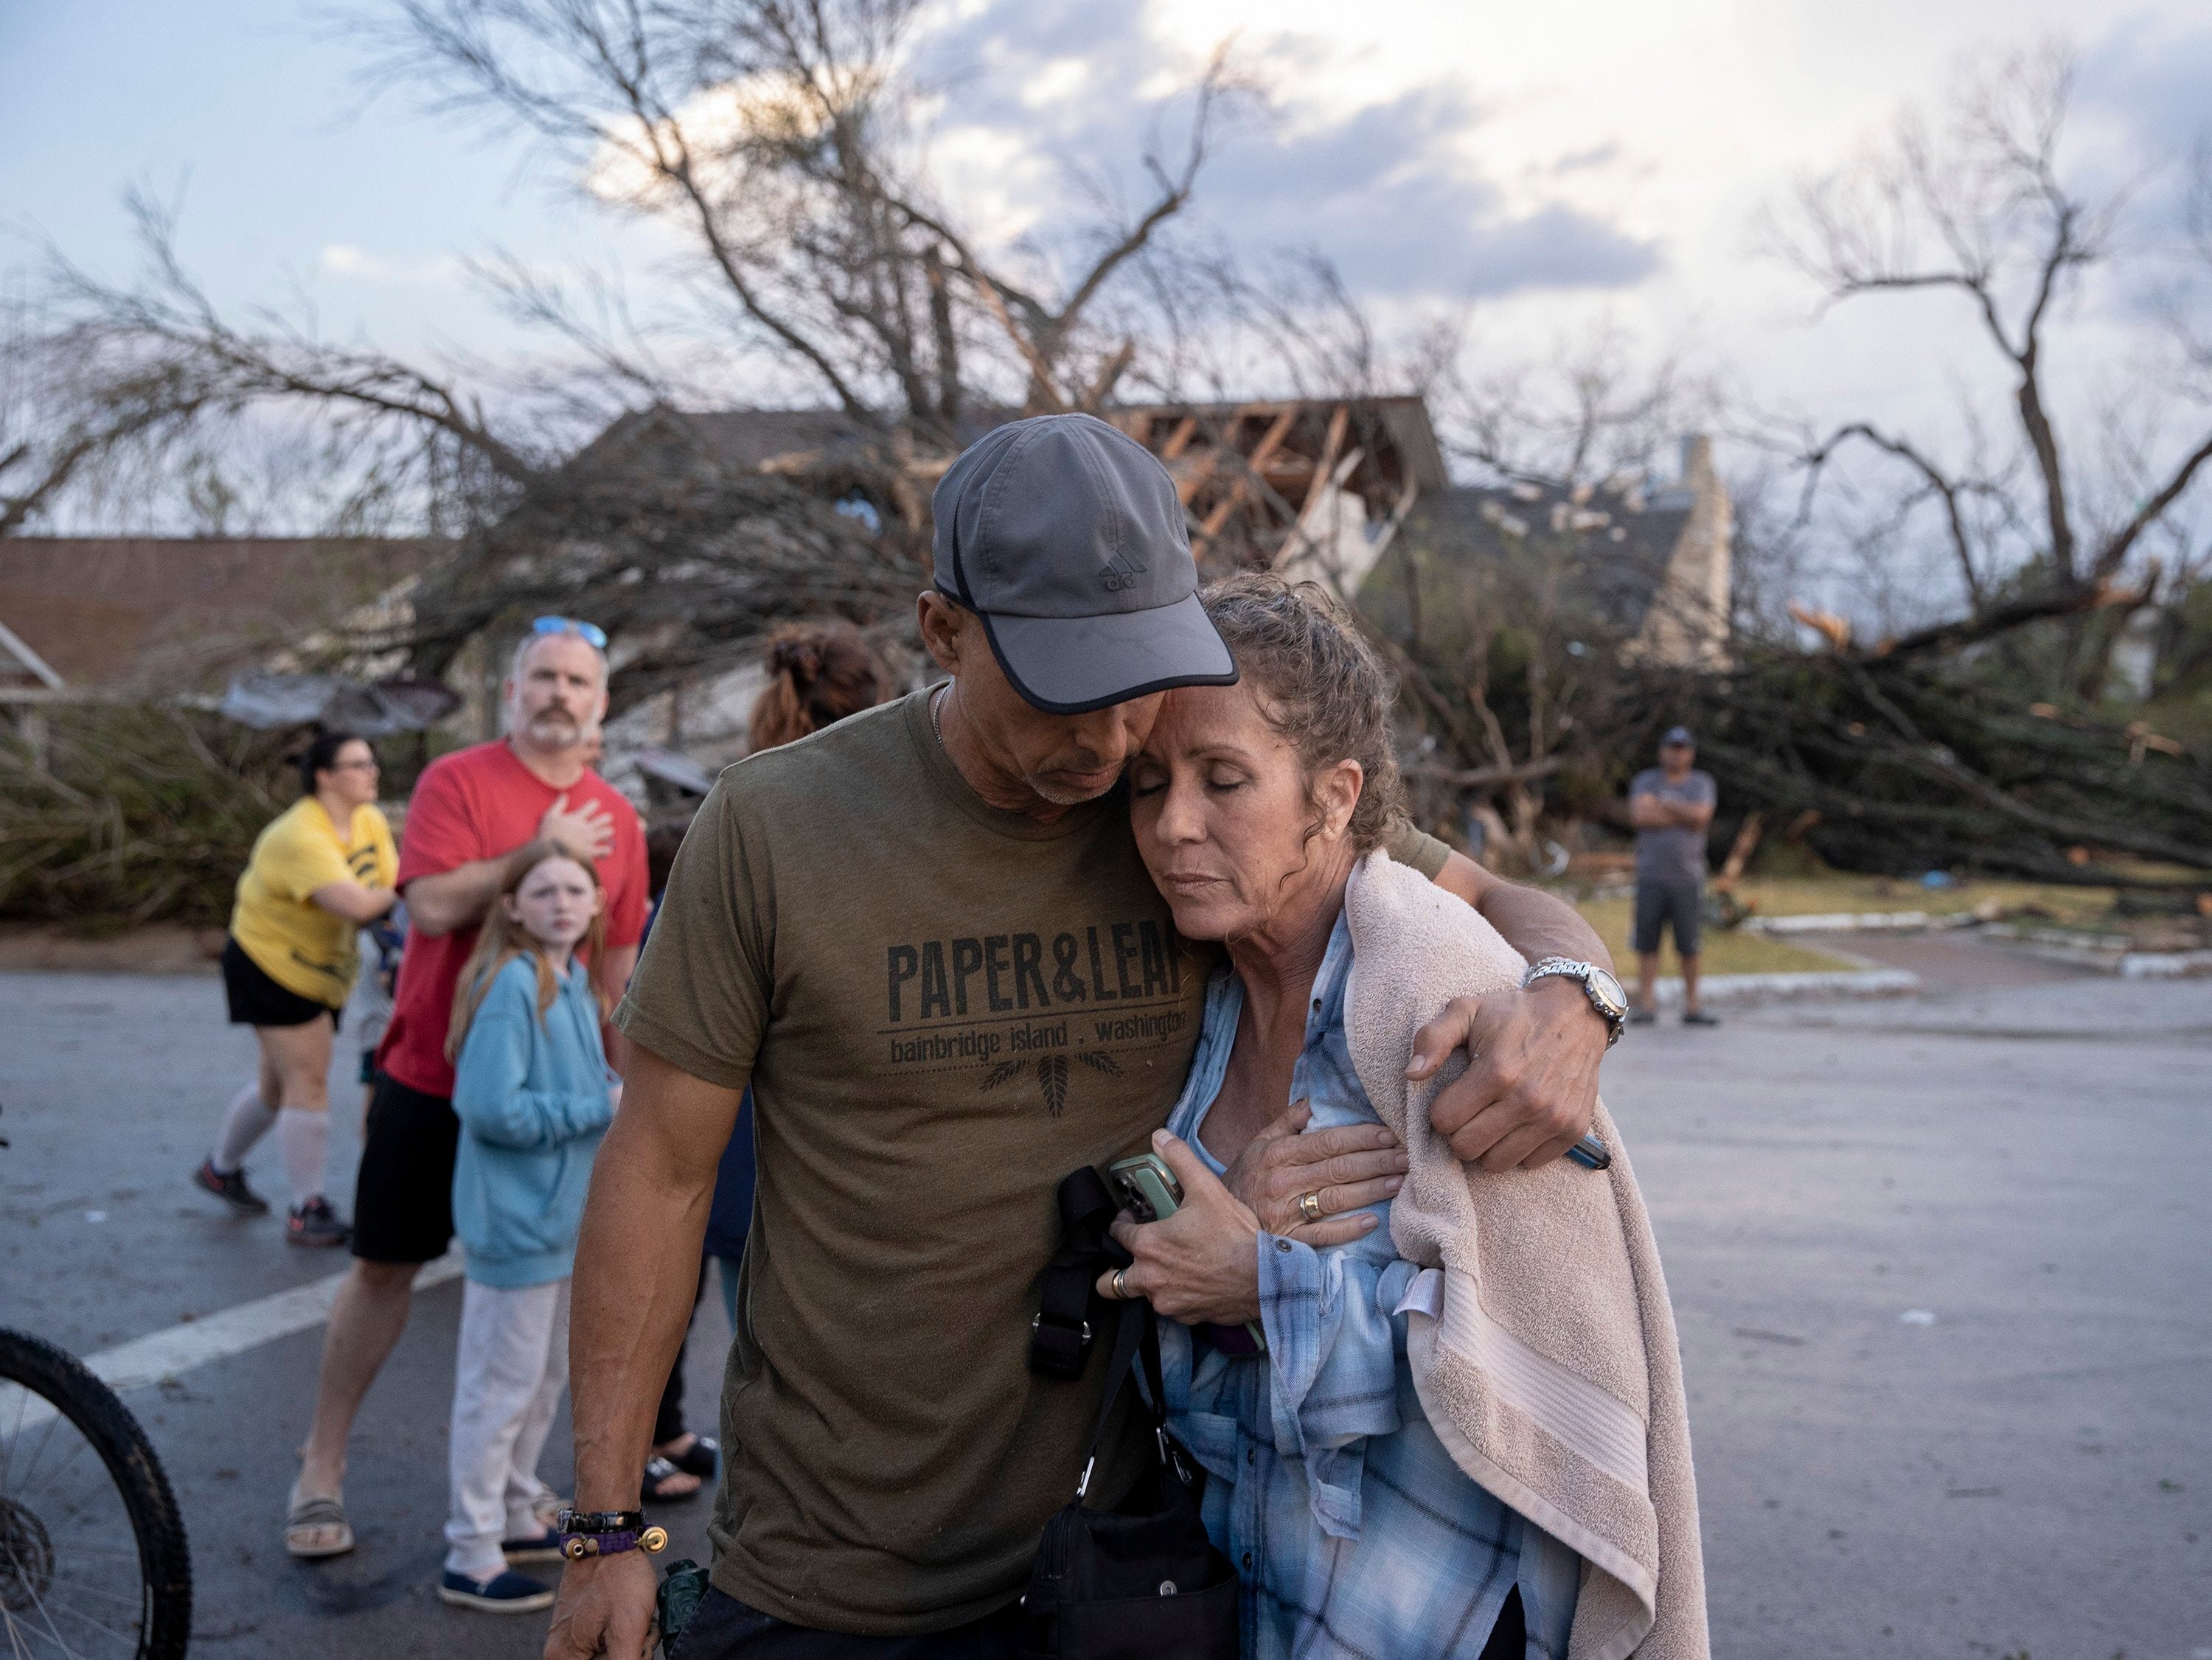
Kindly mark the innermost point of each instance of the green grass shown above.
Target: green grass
(1725, 952)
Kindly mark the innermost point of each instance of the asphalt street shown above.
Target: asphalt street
(1942, 1268)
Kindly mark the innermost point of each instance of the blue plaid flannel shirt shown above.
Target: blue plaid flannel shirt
(1352, 1531)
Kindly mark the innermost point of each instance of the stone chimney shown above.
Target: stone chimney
(1687, 625)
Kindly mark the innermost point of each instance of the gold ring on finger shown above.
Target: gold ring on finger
(1310, 1207)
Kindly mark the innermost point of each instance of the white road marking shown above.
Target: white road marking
(217, 1336)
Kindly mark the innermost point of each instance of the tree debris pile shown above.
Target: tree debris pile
(143, 813)
(1901, 767)
(1529, 709)
(686, 548)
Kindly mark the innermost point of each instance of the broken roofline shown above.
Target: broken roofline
(1247, 472)
(1254, 476)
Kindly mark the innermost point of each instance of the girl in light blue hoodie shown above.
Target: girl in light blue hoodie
(534, 1095)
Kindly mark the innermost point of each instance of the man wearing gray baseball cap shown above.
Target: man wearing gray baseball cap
(1065, 539)
(924, 938)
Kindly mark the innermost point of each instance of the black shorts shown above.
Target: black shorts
(257, 1000)
(402, 1200)
(1661, 903)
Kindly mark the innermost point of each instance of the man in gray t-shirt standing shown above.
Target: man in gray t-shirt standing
(1672, 805)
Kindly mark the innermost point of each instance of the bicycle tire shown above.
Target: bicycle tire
(165, 1560)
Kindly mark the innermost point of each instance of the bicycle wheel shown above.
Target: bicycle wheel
(92, 1559)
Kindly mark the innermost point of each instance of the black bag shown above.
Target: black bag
(1142, 1582)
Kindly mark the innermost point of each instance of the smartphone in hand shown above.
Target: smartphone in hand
(1149, 1191)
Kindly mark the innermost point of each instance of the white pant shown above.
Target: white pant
(512, 1366)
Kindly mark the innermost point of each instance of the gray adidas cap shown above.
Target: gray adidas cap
(1066, 536)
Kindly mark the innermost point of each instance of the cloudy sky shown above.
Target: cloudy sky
(1549, 164)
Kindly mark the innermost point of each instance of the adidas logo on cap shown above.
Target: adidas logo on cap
(1119, 573)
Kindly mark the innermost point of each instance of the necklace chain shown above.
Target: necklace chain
(936, 721)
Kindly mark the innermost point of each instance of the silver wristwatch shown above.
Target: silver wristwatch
(1603, 991)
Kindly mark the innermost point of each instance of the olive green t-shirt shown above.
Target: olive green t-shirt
(943, 1008)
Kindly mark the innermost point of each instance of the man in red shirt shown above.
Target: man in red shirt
(469, 810)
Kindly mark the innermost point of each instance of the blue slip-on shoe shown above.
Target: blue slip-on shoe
(539, 1547)
(505, 1592)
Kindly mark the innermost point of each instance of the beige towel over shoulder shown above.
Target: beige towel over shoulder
(1543, 1346)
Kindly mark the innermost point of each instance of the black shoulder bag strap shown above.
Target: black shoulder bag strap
(1132, 1330)
(1136, 1333)
(1068, 1298)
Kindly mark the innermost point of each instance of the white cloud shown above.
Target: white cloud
(1062, 78)
(1687, 116)
(1001, 184)
(714, 123)
(344, 259)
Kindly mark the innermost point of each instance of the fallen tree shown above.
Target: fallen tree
(141, 813)
(1902, 766)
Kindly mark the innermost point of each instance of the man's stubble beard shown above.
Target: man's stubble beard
(1059, 797)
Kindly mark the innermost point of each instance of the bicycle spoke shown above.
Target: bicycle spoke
(128, 1642)
(45, 1435)
(37, 1602)
(26, 1491)
(8, 1442)
(78, 1588)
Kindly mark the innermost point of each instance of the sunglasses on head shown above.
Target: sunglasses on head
(590, 633)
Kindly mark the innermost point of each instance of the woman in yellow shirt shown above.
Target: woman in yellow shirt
(321, 870)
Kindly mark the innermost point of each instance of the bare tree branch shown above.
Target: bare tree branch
(1941, 486)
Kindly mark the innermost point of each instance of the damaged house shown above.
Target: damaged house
(736, 540)
(1645, 564)
(688, 534)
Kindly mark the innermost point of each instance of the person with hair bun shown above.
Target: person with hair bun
(318, 873)
(817, 674)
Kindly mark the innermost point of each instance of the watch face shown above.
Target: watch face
(1607, 991)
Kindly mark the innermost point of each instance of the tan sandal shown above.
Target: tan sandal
(315, 1528)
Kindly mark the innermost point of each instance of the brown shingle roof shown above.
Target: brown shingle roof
(109, 611)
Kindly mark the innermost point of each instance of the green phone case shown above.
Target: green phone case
(1145, 1184)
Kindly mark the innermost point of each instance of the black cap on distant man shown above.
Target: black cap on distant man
(1066, 536)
